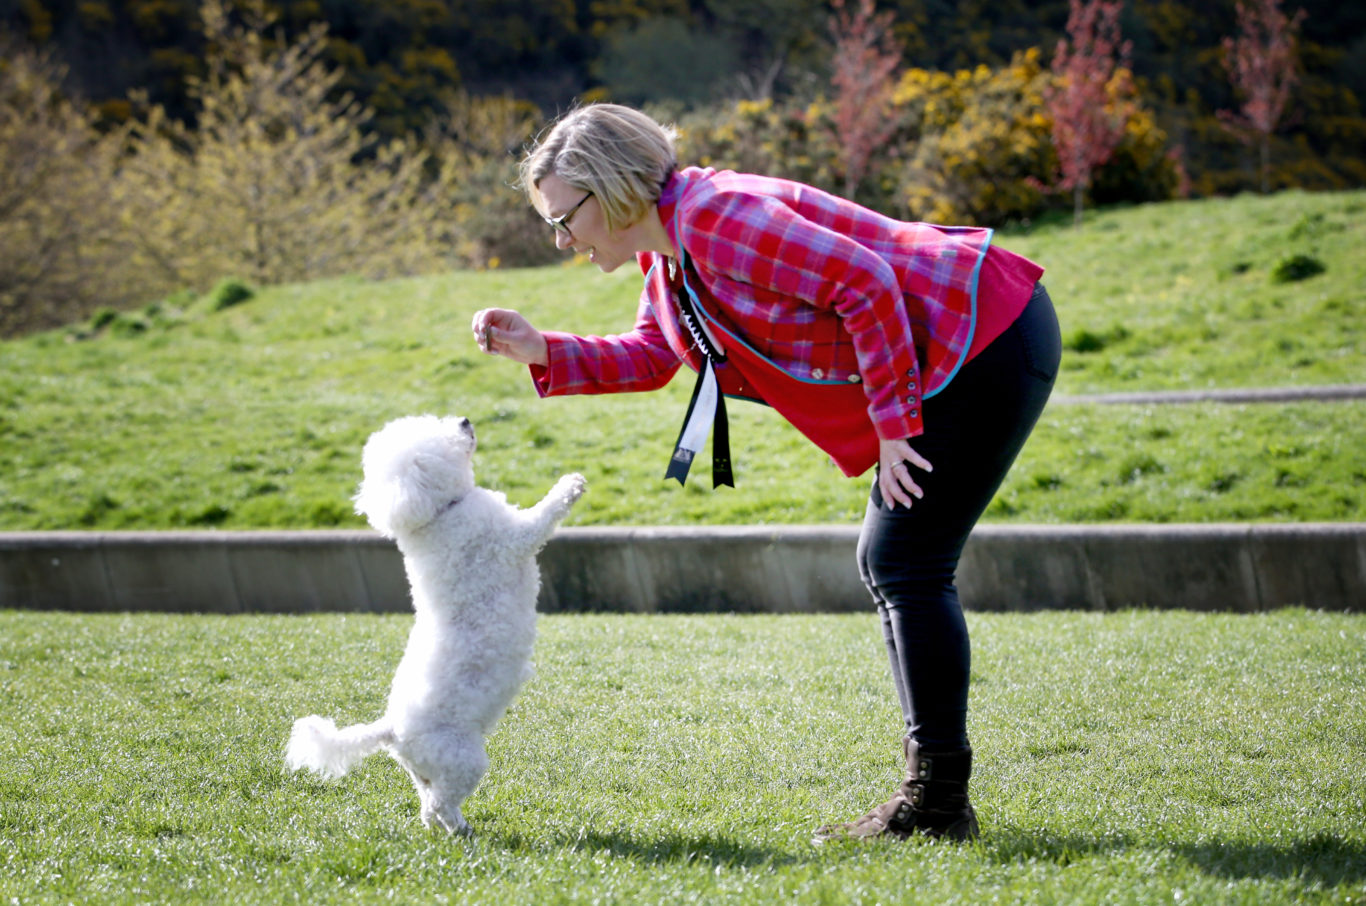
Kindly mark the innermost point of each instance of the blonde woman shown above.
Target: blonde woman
(923, 352)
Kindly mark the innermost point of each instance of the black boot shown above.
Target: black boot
(935, 795)
(932, 800)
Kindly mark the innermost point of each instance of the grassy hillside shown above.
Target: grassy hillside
(254, 416)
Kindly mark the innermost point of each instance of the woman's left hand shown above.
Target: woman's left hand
(894, 478)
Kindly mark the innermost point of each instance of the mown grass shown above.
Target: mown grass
(254, 415)
(1121, 758)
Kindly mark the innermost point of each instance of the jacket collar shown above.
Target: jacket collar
(672, 194)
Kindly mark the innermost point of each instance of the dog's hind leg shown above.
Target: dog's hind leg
(423, 787)
(446, 767)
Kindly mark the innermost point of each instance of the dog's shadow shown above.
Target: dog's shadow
(709, 849)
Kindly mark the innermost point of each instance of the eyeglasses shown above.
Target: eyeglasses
(561, 223)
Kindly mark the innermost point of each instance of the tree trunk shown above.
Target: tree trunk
(1266, 163)
(1078, 195)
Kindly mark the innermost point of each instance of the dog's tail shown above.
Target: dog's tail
(317, 744)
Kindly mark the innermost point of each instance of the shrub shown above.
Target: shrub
(1222, 482)
(330, 513)
(96, 510)
(486, 221)
(61, 254)
(278, 179)
(1141, 168)
(128, 325)
(1296, 267)
(982, 148)
(1085, 340)
(1137, 465)
(213, 514)
(228, 293)
(788, 141)
(102, 317)
(980, 143)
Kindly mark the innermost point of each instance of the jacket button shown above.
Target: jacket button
(854, 378)
(910, 385)
(915, 413)
(817, 373)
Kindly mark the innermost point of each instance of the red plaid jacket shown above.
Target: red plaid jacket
(827, 291)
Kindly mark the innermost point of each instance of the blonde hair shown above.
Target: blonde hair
(618, 153)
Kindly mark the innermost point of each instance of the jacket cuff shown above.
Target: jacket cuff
(553, 378)
(903, 416)
(899, 426)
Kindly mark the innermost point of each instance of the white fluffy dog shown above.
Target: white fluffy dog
(470, 557)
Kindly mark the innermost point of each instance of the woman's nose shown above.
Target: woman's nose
(563, 240)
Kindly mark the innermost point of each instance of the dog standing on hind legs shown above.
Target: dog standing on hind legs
(470, 557)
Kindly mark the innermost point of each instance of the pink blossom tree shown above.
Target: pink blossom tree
(865, 62)
(1261, 64)
(1090, 95)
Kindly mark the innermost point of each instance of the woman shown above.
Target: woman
(783, 293)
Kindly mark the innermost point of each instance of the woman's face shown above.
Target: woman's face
(587, 225)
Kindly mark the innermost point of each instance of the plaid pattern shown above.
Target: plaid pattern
(828, 291)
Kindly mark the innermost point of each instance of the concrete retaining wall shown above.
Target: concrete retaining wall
(789, 569)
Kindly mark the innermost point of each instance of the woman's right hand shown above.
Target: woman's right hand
(501, 331)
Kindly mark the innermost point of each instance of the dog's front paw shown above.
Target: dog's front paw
(571, 487)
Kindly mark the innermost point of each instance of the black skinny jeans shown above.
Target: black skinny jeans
(908, 558)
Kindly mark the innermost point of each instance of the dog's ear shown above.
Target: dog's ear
(394, 506)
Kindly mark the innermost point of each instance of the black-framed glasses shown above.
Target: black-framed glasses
(561, 223)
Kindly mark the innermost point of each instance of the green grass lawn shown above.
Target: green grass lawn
(1121, 758)
(254, 416)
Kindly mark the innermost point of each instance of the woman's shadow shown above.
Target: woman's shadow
(1318, 859)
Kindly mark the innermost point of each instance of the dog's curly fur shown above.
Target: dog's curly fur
(470, 557)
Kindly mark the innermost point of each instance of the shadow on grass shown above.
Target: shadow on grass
(707, 849)
(1326, 860)
(1320, 859)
